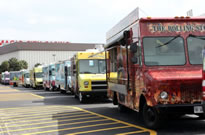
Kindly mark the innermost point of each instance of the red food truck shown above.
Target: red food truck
(155, 66)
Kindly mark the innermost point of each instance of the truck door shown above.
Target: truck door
(136, 73)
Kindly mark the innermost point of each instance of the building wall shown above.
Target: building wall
(8, 56)
(33, 57)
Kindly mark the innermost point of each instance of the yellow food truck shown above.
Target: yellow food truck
(88, 75)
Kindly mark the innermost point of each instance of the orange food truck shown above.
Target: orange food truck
(157, 64)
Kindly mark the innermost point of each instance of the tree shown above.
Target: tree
(14, 64)
(37, 64)
(5, 66)
(23, 64)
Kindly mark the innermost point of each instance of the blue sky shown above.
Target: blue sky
(79, 21)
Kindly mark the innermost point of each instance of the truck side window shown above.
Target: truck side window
(113, 60)
(138, 54)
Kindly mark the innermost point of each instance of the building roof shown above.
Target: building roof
(20, 46)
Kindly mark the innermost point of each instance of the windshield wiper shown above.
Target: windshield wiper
(194, 36)
(168, 41)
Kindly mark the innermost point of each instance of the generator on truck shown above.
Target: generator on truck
(36, 77)
(158, 66)
(88, 74)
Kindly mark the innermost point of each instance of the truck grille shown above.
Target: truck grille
(99, 85)
(191, 92)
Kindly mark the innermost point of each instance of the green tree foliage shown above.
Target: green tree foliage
(23, 64)
(5, 66)
(37, 64)
(13, 65)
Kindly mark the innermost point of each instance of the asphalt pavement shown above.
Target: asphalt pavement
(25, 111)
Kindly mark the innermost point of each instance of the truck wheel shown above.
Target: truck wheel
(201, 116)
(151, 117)
(121, 108)
(63, 91)
(81, 98)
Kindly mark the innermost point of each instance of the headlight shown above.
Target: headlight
(163, 95)
(86, 83)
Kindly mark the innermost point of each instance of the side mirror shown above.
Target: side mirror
(134, 60)
(133, 47)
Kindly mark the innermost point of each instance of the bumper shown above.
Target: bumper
(179, 108)
(6, 82)
(95, 93)
(39, 84)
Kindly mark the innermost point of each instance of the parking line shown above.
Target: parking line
(60, 116)
(95, 125)
(11, 90)
(53, 121)
(67, 113)
(27, 124)
(134, 132)
(37, 96)
(152, 132)
(98, 130)
(18, 96)
(33, 111)
(45, 119)
(62, 125)
(36, 107)
(40, 113)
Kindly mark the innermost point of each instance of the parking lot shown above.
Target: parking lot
(21, 115)
(28, 111)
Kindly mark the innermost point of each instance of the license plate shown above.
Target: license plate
(198, 109)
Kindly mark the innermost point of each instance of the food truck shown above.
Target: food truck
(15, 78)
(88, 75)
(63, 78)
(158, 66)
(36, 77)
(49, 77)
(45, 77)
(6, 78)
(26, 79)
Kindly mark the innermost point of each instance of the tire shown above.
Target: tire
(201, 116)
(121, 108)
(63, 91)
(82, 98)
(150, 117)
(75, 96)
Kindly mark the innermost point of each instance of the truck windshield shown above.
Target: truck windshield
(26, 75)
(39, 75)
(6, 75)
(92, 66)
(164, 51)
(195, 47)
